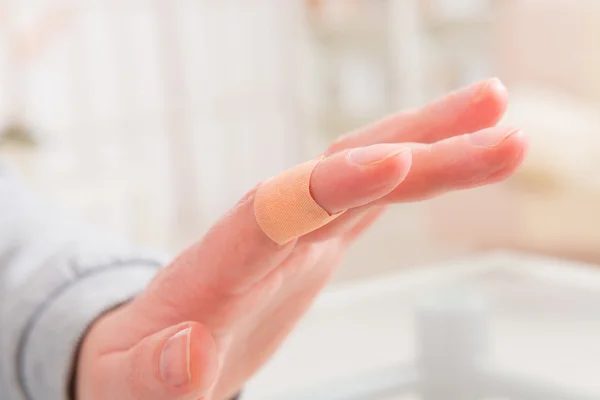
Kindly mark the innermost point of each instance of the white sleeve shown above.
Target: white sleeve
(56, 278)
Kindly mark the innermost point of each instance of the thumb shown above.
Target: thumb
(177, 363)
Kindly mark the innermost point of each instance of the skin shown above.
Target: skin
(241, 294)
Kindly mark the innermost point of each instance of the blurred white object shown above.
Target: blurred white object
(360, 339)
(459, 42)
(155, 117)
(457, 9)
(551, 44)
(364, 53)
(563, 132)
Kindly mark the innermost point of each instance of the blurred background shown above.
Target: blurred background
(151, 118)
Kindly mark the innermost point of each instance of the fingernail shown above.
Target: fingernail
(490, 137)
(175, 359)
(494, 84)
(375, 154)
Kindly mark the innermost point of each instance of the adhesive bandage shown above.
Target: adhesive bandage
(284, 207)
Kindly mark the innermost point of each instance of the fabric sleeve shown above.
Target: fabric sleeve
(56, 278)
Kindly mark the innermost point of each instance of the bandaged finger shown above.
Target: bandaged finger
(284, 207)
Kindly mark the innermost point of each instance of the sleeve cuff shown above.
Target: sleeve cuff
(49, 343)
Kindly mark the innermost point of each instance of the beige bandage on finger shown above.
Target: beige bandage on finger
(284, 207)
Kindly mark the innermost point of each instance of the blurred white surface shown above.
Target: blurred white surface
(544, 326)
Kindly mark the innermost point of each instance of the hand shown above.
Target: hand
(209, 320)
